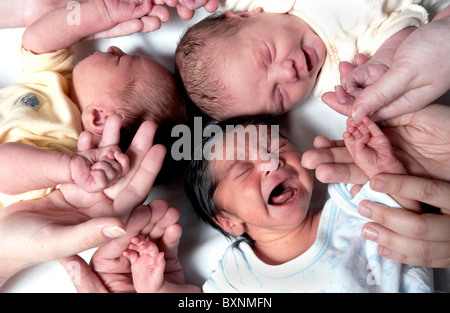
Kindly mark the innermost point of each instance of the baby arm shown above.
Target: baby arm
(93, 17)
(25, 168)
(373, 153)
(148, 266)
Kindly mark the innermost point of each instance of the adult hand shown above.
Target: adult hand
(332, 162)
(186, 8)
(22, 13)
(404, 236)
(158, 15)
(110, 271)
(131, 189)
(57, 226)
(421, 142)
(419, 74)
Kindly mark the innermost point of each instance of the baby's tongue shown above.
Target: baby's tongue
(282, 198)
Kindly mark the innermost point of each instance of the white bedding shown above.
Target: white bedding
(200, 247)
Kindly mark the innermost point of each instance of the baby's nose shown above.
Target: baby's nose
(286, 71)
(272, 164)
(116, 51)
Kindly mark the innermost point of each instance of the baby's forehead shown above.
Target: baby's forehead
(238, 139)
(242, 144)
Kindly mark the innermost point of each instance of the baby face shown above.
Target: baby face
(272, 65)
(260, 196)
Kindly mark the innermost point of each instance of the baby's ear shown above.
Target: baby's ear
(94, 117)
(230, 223)
(244, 14)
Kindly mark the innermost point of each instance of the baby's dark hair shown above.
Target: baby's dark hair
(200, 184)
(196, 62)
(148, 99)
(160, 101)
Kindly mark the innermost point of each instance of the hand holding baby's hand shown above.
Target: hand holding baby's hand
(196, 4)
(371, 149)
(354, 79)
(95, 170)
(147, 265)
(117, 11)
(186, 8)
(132, 16)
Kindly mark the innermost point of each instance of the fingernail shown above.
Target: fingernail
(364, 211)
(113, 232)
(377, 184)
(370, 232)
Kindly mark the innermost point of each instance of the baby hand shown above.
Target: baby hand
(117, 11)
(362, 76)
(147, 265)
(94, 170)
(371, 149)
(354, 79)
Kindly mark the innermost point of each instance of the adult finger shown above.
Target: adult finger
(434, 227)
(341, 173)
(111, 131)
(384, 91)
(322, 142)
(433, 192)
(331, 99)
(72, 239)
(138, 219)
(82, 276)
(160, 12)
(407, 250)
(85, 141)
(122, 29)
(170, 241)
(211, 6)
(170, 3)
(184, 13)
(417, 261)
(334, 164)
(139, 187)
(313, 158)
(163, 217)
(151, 23)
(136, 152)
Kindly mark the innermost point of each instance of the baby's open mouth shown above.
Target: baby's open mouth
(282, 193)
(310, 58)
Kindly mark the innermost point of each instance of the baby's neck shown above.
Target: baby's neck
(290, 245)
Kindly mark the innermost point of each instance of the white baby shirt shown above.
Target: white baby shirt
(340, 260)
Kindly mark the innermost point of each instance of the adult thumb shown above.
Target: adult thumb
(385, 91)
(73, 239)
(83, 278)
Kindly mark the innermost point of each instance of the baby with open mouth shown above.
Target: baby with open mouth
(257, 190)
